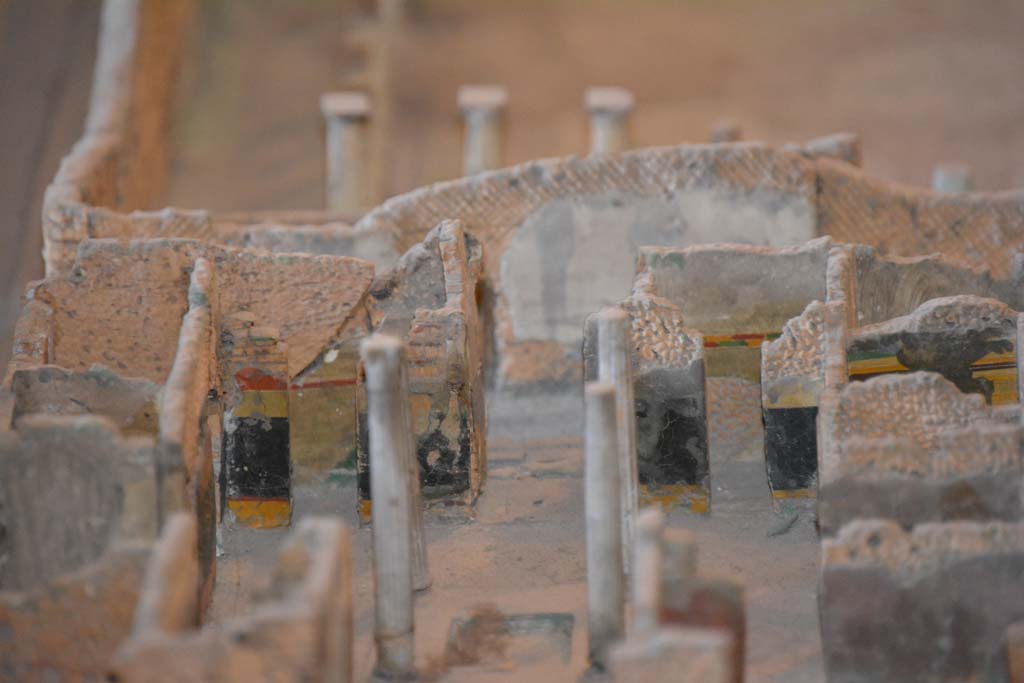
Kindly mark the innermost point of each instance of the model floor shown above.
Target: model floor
(523, 550)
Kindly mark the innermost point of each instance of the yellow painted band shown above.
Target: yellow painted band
(264, 403)
(261, 514)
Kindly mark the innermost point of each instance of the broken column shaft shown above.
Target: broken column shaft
(605, 583)
(394, 533)
(482, 108)
(614, 367)
(346, 115)
(609, 110)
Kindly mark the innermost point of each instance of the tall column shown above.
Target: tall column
(605, 583)
(614, 366)
(483, 108)
(346, 115)
(609, 110)
(951, 177)
(647, 572)
(393, 536)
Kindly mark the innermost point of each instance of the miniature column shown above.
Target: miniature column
(647, 568)
(384, 361)
(346, 115)
(726, 130)
(483, 108)
(678, 569)
(614, 367)
(605, 583)
(951, 177)
(609, 110)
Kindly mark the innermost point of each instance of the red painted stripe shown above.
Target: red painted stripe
(254, 379)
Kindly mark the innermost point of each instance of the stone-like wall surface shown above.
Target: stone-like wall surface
(972, 473)
(78, 511)
(71, 486)
(546, 224)
(70, 627)
(928, 605)
(130, 403)
(671, 402)
(429, 300)
(982, 228)
(916, 406)
(738, 297)
(300, 627)
(121, 160)
(888, 286)
(792, 379)
(732, 289)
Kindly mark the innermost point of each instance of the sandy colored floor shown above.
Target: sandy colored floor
(523, 551)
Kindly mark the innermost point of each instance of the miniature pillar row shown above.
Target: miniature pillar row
(346, 115)
(395, 498)
(482, 108)
(605, 582)
(615, 368)
(609, 110)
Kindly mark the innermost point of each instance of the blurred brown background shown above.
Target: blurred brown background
(922, 81)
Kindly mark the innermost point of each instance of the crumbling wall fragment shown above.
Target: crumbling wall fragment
(79, 507)
(931, 604)
(300, 627)
(968, 340)
(971, 473)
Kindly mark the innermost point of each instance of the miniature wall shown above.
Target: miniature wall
(980, 228)
(120, 308)
(792, 379)
(121, 160)
(670, 395)
(855, 455)
(71, 485)
(79, 513)
(888, 286)
(129, 402)
(969, 473)
(546, 224)
(300, 626)
(738, 297)
(429, 301)
(186, 449)
(930, 604)
(968, 340)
